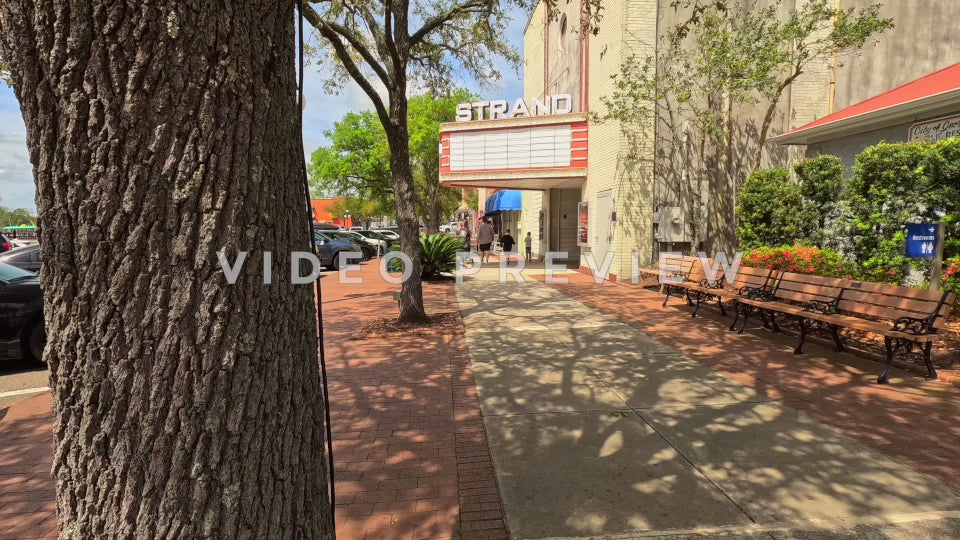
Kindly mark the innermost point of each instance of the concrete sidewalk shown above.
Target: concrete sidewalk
(597, 428)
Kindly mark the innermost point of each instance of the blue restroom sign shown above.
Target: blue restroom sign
(922, 240)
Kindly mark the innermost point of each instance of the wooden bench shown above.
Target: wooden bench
(653, 272)
(747, 281)
(677, 272)
(904, 316)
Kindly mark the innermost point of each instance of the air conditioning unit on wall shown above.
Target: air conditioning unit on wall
(672, 224)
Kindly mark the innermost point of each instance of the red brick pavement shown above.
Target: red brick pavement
(910, 420)
(410, 453)
(27, 508)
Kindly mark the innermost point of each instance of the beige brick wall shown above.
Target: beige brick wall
(533, 201)
(533, 54)
(619, 158)
(619, 162)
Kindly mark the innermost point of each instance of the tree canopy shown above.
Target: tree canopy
(388, 47)
(16, 216)
(356, 164)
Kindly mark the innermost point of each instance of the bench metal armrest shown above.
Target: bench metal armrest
(706, 284)
(820, 306)
(913, 325)
(755, 293)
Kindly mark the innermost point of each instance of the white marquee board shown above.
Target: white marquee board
(515, 148)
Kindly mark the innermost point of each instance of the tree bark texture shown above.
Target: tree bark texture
(161, 133)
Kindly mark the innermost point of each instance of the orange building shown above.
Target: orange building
(321, 213)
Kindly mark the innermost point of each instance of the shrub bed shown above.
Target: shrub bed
(802, 260)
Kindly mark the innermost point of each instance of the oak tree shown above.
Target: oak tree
(394, 46)
(356, 164)
(161, 134)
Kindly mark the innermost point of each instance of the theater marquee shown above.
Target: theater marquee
(493, 110)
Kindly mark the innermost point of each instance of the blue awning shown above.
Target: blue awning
(504, 200)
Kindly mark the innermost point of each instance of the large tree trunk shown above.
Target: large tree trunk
(404, 197)
(185, 407)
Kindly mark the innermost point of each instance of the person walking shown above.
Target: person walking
(464, 234)
(528, 246)
(508, 242)
(484, 239)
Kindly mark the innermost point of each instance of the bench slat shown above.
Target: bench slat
(748, 276)
(896, 302)
(896, 290)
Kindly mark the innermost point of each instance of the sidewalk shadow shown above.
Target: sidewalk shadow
(611, 442)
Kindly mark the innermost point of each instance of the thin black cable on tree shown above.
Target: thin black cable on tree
(319, 302)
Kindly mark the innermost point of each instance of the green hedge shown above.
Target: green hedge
(821, 183)
(769, 209)
(863, 216)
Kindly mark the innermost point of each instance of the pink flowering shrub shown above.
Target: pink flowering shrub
(951, 275)
(801, 260)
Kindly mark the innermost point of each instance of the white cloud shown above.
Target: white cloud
(16, 173)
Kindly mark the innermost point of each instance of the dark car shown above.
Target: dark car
(26, 258)
(329, 249)
(22, 333)
(367, 250)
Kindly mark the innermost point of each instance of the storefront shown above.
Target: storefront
(613, 195)
(503, 208)
(577, 199)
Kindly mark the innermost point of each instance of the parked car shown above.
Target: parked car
(376, 244)
(325, 227)
(388, 234)
(450, 226)
(26, 258)
(374, 235)
(356, 228)
(22, 334)
(357, 241)
(329, 248)
(5, 245)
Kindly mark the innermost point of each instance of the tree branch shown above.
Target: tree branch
(344, 55)
(438, 20)
(380, 37)
(388, 32)
(336, 29)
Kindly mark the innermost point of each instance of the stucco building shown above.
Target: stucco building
(591, 187)
(926, 109)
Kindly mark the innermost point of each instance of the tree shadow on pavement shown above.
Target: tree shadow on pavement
(596, 428)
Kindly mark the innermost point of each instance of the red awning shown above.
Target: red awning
(905, 99)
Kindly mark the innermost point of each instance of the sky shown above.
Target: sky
(16, 177)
